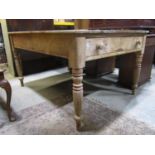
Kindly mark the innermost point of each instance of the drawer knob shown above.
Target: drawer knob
(99, 46)
(138, 44)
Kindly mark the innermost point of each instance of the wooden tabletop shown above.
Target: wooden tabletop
(84, 31)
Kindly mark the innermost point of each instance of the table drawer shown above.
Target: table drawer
(99, 46)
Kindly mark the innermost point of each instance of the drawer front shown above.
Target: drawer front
(99, 46)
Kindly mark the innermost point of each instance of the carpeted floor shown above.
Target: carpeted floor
(43, 108)
(42, 119)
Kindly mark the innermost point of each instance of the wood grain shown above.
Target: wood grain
(79, 46)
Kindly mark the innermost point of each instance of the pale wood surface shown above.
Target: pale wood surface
(79, 46)
(77, 76)
(85, 31)
(95, 46)
(63, 42)
(44, 43)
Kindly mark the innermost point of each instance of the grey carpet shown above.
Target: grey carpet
(44, 109)
(42, 119)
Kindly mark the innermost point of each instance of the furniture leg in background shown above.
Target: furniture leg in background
(100, 67)
(129, 74)
(126, 71)
(4, 84)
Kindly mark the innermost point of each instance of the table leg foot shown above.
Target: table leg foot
(133, 92)
(78, 123)
(11, 116)
(21, 79)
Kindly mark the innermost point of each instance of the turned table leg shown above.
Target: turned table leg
(77, 76)
(137, 70)
(18, 64)
(77, 63)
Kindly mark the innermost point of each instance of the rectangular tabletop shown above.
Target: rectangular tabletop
(98, 43)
